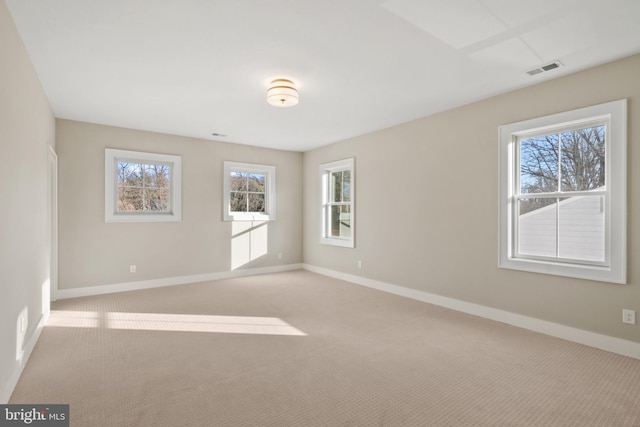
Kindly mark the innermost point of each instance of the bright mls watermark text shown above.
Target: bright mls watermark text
(34, 415)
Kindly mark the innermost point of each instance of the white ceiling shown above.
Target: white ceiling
(198, 67)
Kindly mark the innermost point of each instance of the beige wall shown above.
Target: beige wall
(26, 128)
(93, 252)
(427, 207)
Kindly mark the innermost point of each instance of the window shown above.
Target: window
(338, 194)
(563, 194)
(249, 192)
(142, 187)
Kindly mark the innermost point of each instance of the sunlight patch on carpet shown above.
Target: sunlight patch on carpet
(74, 319)
(173, 322)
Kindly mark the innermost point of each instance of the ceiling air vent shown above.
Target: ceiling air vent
(545, 68)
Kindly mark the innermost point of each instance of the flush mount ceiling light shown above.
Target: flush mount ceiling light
(282, 93)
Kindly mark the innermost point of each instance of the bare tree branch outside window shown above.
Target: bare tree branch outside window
(143, 187)
(247, 192)
(572, 160)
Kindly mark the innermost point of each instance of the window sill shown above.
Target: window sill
(607, 274)
(338, 242)
(166, 217)
(249, 217)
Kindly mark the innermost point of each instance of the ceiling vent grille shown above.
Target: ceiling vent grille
(545, 68)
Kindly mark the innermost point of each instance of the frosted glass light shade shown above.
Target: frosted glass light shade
(282, 93)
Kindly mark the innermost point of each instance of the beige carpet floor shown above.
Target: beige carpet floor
(300, 349)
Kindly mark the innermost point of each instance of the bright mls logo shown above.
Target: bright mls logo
(34, 415)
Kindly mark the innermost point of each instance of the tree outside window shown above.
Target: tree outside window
(572, 160)
(143, 187)
(563, 193)
(249, 192)
(338, 203)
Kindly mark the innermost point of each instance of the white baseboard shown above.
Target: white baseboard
(6, 390)
(169, 281)
(592, 339)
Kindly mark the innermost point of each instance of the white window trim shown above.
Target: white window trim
(615, 269)
(111, 159)
(325, 170)
(270, 199)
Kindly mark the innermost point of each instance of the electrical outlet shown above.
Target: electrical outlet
(279, 255)
(359, 264)
(132, 268)
(629, 316)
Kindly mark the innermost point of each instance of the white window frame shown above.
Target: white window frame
(325, 172)
(614, 268)
(270, 189)
(111, 159)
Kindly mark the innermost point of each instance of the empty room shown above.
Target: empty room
(296, 213)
